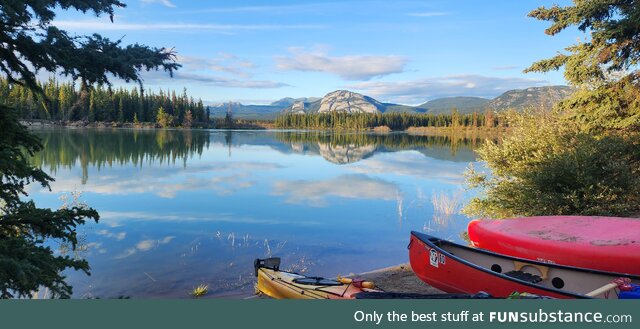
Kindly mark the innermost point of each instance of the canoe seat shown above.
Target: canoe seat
(524, 276)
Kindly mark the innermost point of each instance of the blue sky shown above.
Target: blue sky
(395, 51)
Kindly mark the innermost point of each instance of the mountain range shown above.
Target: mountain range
(351, 102)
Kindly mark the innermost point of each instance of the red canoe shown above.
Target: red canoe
(459, 269)
(601, 243)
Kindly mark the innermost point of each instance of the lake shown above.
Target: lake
(184, 208)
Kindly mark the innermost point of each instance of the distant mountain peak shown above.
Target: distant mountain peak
(545, 97)
(289, 101)
(462, 104)
(349, 102)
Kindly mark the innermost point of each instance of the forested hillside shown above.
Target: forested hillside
(67, 102)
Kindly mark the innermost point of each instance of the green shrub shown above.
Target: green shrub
(548, 166)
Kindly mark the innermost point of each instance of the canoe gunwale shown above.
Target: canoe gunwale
(431, 242)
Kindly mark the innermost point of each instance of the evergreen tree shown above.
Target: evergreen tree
(92, 106)
(188, 120)
(163, 118)
(228, 118)
(31, 43)
(584, 157)
(64, 99)
(120, 104)
(604, 69)
(455, 118)
(359, 121)
(121, 110)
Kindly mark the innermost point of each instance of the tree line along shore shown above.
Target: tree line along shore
(65, 104)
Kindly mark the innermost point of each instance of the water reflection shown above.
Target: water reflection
(352, 186)
(67, 148)
(184, 208)
(345, 147)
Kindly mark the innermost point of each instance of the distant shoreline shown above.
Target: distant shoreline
(466, 131)
(264, 125)
(249, 125)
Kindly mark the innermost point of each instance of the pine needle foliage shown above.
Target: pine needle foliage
(30, 43)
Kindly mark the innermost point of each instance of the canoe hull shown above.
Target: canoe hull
(603, 243)
(451, 268)
(454, 277)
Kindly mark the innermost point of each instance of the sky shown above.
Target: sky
(406, 52)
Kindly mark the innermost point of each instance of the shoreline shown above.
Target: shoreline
(263, 125)
(398, 278)
(144, 125)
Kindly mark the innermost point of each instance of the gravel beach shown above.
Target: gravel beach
(399, 278)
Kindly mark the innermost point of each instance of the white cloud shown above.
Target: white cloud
(127, 253)
(97, 247)
(117, 216)
(222, 62)
(159, 77)
(352, 67)
(421, 90)
(315, 193)
(168, 183)
(290, 9)
(102, 25)
(414, 164)
(124, 216)
(166, 3)
(117, 236)
(145, 245)
(221, 185)
(219, 81)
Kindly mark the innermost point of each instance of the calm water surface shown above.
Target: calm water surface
(182, 208)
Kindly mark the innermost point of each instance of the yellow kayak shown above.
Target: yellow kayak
(287, 285)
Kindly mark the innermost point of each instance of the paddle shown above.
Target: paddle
(609, 286)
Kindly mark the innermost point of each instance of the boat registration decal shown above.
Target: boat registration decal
(542, 260)
(442, 259)
(433, 257)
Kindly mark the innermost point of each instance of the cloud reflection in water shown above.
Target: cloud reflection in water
(352, 186)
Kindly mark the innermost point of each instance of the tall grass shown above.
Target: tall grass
(400, 206)
(445, 205)
(302, 265)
